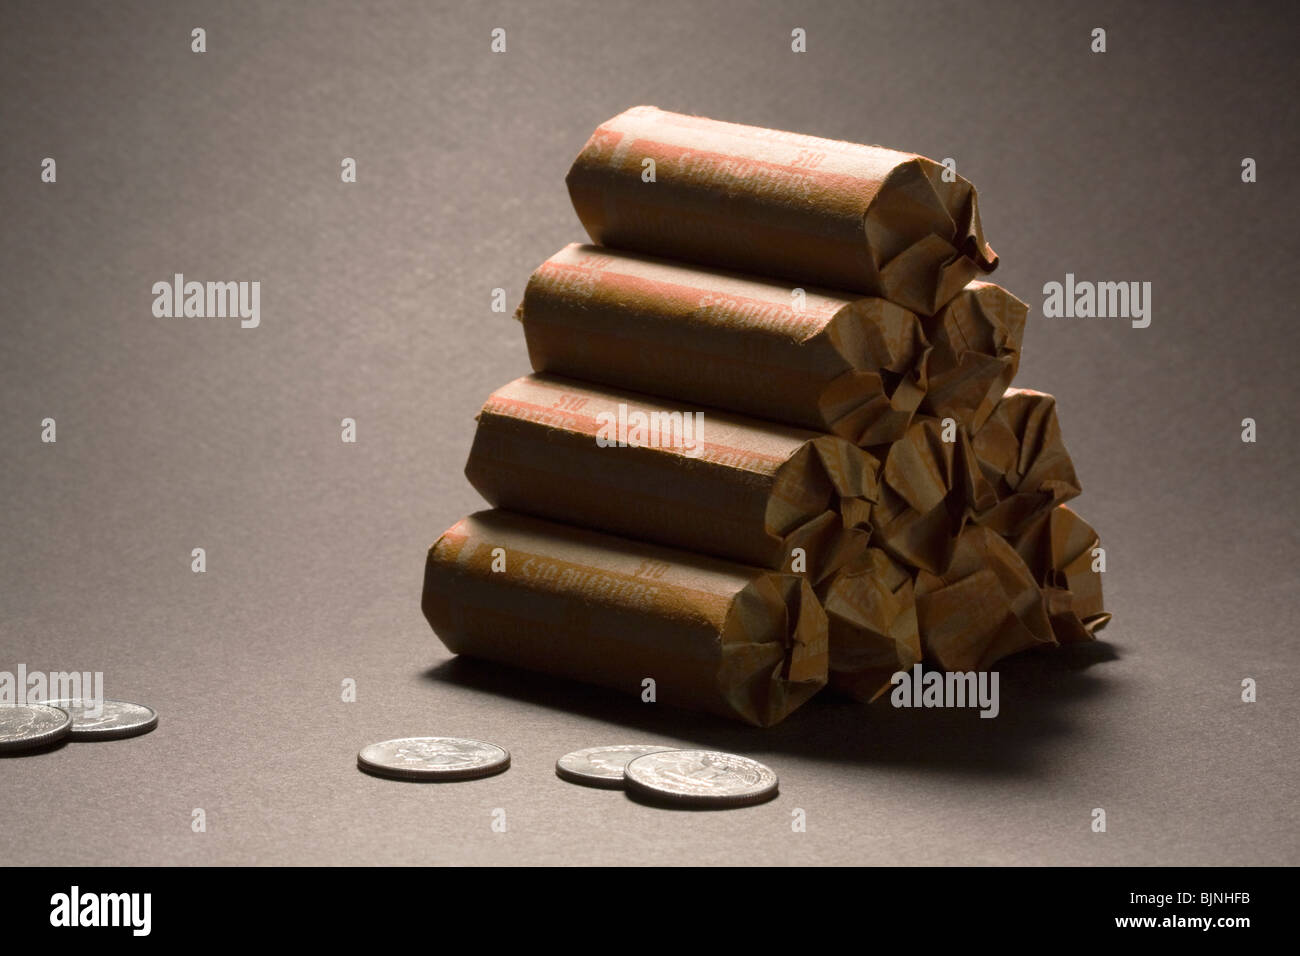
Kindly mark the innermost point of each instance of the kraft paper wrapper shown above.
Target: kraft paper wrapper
(985, 606)
(1023, 457)
(842, 215)
(975, 353)
(839, 363)
(929, 490)
(871, 617)
(754, 492)
(1057, 547)
(715, 636)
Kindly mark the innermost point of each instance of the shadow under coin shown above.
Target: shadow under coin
(36, 751)
(645, 801)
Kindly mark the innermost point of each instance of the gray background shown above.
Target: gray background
(183, 433)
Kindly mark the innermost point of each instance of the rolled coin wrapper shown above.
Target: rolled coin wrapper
(712, 635)
(871, 620)
(975, 353)
(813, 358)
(929, 489)
(1023, 457)
(1058, 548)
(984, 606)
(842, 215)
(676, 475)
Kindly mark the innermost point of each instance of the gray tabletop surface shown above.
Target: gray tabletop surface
(176, 434)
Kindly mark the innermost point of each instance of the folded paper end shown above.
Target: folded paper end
(924, 230)
(821, 505)
(872, 625)
(1064, 554)
(774, 649)
(985, 606)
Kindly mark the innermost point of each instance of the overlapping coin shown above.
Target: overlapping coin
(602, 766)
(700, 778)
(433, 758)
(31, 726)
(107, 719)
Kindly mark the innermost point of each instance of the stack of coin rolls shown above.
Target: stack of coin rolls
(770, 443)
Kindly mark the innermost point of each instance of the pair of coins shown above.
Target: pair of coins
(35, 726)
(695, 778)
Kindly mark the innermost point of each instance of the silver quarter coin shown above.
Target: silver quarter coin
(703, 778)
(107, 719)
(29, 726)
(602, 766)
(433, 758)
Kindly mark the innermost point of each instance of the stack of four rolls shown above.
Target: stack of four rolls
(769, 442)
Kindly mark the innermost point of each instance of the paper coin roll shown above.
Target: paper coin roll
(842, 215)
(814, 358)
(711, 635)
(678, 475)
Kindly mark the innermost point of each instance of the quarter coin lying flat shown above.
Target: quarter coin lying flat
(29, 726)
(700, 778)
(602, 766)
(116, 718)
(433, 758)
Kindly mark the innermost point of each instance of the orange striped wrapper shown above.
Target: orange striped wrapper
(814, 358)
(677, 475)
(712, 635)
(861, 218)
